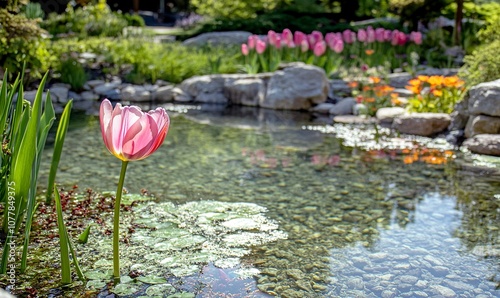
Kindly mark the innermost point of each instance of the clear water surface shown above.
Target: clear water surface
(360, 223)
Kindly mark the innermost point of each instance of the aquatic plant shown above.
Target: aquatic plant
(435, 94)
(129, 134)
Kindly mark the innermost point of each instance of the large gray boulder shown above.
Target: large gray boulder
(297, 87)
(59, 93)
(484, 144)
(245, 91)
(485, 99)
(399, 80)
(135, 93)
(482, 125)
(422, 124)
(206, 89)
(387, 115)
(219, 38)
(343, 107)
(164, 94)
(460, 115)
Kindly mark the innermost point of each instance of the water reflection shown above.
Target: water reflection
(360, 223)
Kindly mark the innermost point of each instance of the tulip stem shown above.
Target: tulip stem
(116, 225)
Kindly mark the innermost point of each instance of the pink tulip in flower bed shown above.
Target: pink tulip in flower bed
(368, 46)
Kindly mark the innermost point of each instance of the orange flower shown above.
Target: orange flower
(414, 89)
(437, 92)
(423, 78)
(369, 52)
(375, 80)
(383, 90)
(453, 81)
(367, 88)
(369, 99)
(353, 84)
(436, 80)
(395, 99)
(408, 160)
(414, 82)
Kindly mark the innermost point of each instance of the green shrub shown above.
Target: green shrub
(73, 73)
(21, 42)
(483, 65)
(90, 20)
(148, 61)
(232, 9)
(133, 20)
(33, 11)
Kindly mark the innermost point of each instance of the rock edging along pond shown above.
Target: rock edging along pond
(298, 86)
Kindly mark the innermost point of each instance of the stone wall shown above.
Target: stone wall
(477, 117)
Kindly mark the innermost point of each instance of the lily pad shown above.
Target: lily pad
(104, 263)
(97, 275)
(125, 289)
(96, 284)
(160, 290)
(182, 295)
(170, 232)
(126, 279)
(185, 271)
(241, 224)
(152, 279)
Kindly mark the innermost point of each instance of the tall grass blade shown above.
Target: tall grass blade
(24, 158)
(81, 276)
(29, 220)
(46, 121)
(62, 128)
(63, 241)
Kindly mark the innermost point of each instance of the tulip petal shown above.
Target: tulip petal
(137, 147)
(105, 117)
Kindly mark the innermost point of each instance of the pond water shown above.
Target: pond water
(358, 222)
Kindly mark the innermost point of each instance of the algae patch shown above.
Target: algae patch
(175, 241)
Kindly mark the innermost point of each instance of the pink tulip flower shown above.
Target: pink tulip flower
(130, 134)
(318, 36)
(271, 37)
(416, 37)
(338, 46)
(304, 46)
(379, 34)
(370, 34)
(362, 36)
(401, 39)
(330, 37)
(348, 36)
(387, 35)
(395, 37)
(312, 41)
(277, 42)
(287, 35)
(244, 49)
(319, 48)
(260, 47)
(252, 40)
(290, 44)
(298, 37)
